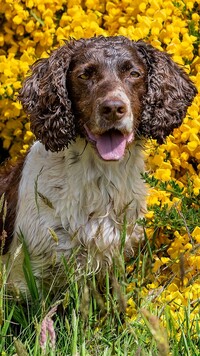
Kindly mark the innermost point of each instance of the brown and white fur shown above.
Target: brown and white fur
(90, 104)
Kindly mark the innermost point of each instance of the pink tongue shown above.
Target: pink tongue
(111, 145)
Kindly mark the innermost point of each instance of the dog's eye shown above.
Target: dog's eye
(84, 76)
(134, 73)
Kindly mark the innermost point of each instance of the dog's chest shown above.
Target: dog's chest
(94, 201)
(80, 197)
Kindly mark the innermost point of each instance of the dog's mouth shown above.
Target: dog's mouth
(111, 144)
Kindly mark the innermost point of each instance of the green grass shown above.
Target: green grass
(91, 322)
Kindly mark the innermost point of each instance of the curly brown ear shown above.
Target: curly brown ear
(170, 92)
(45, 99)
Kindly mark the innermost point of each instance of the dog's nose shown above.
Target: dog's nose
(112, 109)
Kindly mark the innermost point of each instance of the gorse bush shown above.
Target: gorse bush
(174, 236)
(163, 279)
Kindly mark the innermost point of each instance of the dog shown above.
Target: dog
(91, 105)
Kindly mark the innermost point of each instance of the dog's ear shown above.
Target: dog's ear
(45, 99)
(170, 92)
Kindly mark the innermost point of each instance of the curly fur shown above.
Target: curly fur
(168, 97)
(45, 98)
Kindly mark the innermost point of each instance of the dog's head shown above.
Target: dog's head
(110, 90)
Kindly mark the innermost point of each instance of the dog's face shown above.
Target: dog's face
(108, 89)
(106, 86)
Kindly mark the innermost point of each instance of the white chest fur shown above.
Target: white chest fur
(79, 197)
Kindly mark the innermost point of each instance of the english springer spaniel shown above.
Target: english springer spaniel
(91, 104)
